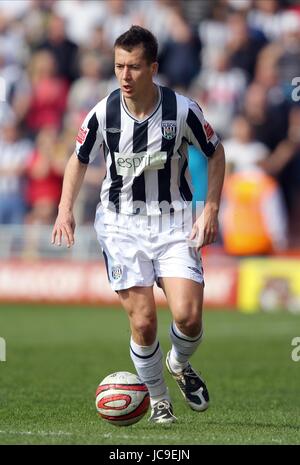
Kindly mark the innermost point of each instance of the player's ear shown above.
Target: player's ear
(154, 68)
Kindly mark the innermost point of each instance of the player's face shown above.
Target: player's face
(133, 72)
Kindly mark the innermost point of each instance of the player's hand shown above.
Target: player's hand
(64, 228)
(205, 228)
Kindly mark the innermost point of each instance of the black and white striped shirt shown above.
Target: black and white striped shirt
(147, 160)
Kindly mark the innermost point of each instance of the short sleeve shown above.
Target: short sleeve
(89, 138)
(198, 131)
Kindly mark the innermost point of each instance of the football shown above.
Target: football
(122, 398)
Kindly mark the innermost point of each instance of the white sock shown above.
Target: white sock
(148, 364)
(183, 348)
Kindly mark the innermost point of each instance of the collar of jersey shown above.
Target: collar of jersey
(148, 117)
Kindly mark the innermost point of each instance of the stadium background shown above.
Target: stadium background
(240, 59)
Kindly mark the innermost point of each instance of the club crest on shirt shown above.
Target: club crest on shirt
(168, 129)
(116, 272)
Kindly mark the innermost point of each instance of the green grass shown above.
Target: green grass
(56, 357)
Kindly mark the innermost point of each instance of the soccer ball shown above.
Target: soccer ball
(122, 398)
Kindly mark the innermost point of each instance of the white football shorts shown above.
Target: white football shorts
(139, 249)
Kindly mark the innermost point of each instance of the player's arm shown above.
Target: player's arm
(209, 221)
(88, 142)
(201, 134)
(64, 226)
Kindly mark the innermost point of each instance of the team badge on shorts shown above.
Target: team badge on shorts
(116, 272)
(168, 129)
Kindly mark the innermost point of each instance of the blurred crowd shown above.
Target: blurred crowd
(239, 59)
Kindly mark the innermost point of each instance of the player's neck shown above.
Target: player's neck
(140, 108)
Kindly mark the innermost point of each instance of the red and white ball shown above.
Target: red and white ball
(122, 398)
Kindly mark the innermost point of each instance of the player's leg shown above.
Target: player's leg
(185, 298)
(140, 307)
(130, 272)
(145, 350)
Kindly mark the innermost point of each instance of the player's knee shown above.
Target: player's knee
(146, 329)
(189, 323)
(190, 328)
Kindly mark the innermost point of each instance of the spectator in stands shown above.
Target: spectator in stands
(269, 126)
(62, 48)
(289, 62)
(284, 163)
(244, 46)
(90, 88)
(220, 90)
(14, 152)
(266, 17)
(154, 16)
(98, 45)
(81, 17)
(13, 10)
(214, 33)
(253, 216)
(118, 18)
(47, 101)
(44, 179)
(267, 75)
(12, 46)
(180, 56)
(243, 152)
(16, 80)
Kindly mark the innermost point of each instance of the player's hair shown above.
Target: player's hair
(136, 36)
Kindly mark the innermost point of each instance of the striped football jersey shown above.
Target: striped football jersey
(146, 160)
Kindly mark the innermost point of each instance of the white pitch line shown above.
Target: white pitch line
(37, 433)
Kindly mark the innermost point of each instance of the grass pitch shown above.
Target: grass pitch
(57, 356)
